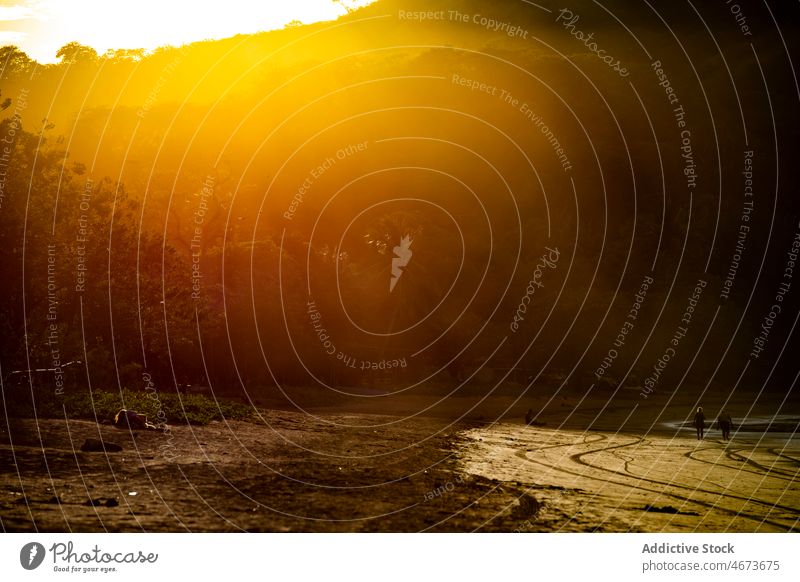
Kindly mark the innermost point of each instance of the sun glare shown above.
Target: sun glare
(41, 27)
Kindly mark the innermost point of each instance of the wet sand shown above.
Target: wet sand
(626, 482)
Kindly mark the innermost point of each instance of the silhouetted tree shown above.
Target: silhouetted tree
(76, 53)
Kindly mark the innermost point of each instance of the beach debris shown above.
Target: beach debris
(98, 446)
(132, 420)
(133, 493)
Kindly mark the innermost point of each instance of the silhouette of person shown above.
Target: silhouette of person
(529, 416)
(725, 424)
(700, 422)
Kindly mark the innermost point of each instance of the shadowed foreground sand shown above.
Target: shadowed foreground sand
(295, 472)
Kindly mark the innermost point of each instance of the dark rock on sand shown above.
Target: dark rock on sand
(107, 501)
(667, 509)
(98, 446)
(528, 507)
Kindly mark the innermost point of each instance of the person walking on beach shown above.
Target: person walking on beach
(700, 422)
(529, 416)
(725, 424)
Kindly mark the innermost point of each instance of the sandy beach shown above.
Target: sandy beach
(624, 482)
(334, 473)
(367, 472)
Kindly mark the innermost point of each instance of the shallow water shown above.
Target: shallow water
(783, 427)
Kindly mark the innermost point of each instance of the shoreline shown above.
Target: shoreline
(631, 482)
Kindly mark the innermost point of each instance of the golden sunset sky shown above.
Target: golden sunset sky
(41, 27)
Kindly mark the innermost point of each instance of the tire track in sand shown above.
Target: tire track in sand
(772, 473)
(577, 458)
